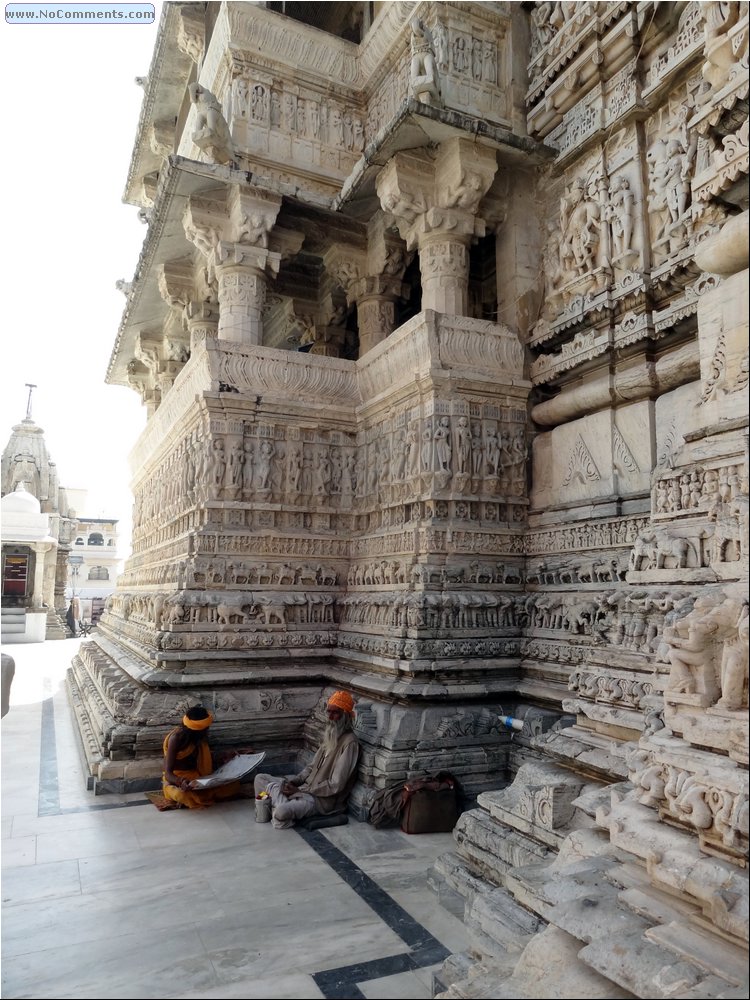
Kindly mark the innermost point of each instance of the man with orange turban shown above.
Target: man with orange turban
(324, 785)
(187, 756)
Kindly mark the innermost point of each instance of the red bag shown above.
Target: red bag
(431, 804)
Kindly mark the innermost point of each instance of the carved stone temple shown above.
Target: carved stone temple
(441, 324)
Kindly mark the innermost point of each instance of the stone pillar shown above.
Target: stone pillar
(241, 273)
(376, 298)
(37, 592)
(232, 232)
(372, 277)
(435, 201)
(202, 321)
(444, 266)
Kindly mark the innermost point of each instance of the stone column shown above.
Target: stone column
(371, 277)
(376, 298)
(435, 201)
(241, 273)
(444, 266)
(37, 593)
(232, 232)
(202, 321)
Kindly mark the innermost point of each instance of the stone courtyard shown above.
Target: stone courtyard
(441, 324)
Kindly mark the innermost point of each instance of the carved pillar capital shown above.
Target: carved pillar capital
(250, 215)
(142, 379)
(233, 235)
(434, 200)
(345, 265)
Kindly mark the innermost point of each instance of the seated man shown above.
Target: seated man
(187, 756)
(323, 786)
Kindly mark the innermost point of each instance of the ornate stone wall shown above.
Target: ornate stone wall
(638, 603)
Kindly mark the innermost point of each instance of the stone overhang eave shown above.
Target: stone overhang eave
(164, 92)
(165, 241)
(416, 125)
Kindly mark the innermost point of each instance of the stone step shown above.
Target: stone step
(718, 956)
(713, 987)
(597, 914)
(542, 887)
(643, 967)
(481, 981)
(499, 926)
(657, 907)
(490, 847)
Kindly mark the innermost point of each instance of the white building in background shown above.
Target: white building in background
(29, 553)
(49, 553)
(93, 565)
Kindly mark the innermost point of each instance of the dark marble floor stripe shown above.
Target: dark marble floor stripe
(424, 948)
(49, 786)
(341, 983)
(49, 790)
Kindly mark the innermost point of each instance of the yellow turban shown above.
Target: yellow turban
(197, 724)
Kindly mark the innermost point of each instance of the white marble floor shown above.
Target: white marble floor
(106, 896)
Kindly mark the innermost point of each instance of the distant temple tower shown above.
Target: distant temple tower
(36, 533)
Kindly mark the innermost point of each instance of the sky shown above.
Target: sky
(69, 130)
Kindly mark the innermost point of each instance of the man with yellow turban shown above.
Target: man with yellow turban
(187, 756)
(323, 787)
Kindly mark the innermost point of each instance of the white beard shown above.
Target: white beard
(333, 732)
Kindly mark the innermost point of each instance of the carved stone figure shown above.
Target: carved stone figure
(236, 466)
(211, 130)
(492, 452)
(463, 446)
(734, 661)
(443, 445)
(580, 224)
(692, 650)
(218, 463)
(266, 454)
(621, 211)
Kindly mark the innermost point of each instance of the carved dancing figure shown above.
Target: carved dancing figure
(492, 451)
(322, 473)
(583, 230)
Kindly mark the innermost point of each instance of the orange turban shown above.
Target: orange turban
(342, 700)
